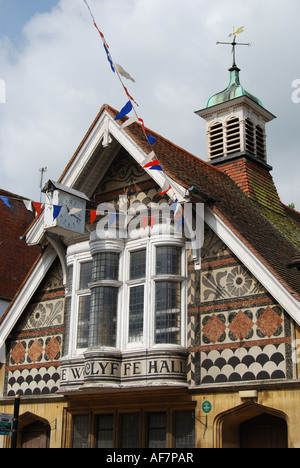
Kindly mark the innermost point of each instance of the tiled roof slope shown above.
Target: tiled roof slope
(256, 182)
(268, 240)
(16, 258)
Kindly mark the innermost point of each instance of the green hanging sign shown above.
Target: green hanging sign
(206, 407)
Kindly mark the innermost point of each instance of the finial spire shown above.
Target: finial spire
(234, 43)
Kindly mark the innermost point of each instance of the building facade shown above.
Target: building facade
(16, 257)
(160, 318)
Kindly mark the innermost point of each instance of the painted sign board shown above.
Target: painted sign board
(6, 424)
(206, 406)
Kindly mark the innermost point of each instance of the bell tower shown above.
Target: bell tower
(235, 120)
(236, 137)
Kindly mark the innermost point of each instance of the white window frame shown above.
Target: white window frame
(149, 282)
(77, 255)
(80, 253)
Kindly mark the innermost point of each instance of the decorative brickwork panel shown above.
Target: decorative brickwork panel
(238, 332)
(35, 348)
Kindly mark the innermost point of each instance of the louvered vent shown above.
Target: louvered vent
(260, 143)
(250, 138)
(216, 140)
(233, 139)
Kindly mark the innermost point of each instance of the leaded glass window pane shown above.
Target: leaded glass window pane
(103, 318)
(136, 314)
(130, 430)
(138, 264)
(167, 312)
(168, 260)
(105, 266)
(185, 429)
(83, 321)
(70, 279)
(80, 431)
(105, 431)
(67, 325)
(157, 430)
(85, 275)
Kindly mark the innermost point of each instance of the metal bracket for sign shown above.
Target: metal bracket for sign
(205, 425)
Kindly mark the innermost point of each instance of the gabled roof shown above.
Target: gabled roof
(262, 234)
(266, 236)
(260, 238)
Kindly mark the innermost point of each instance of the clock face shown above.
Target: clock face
(72, 215)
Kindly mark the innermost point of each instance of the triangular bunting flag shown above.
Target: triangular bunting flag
(149, 158)
(56, 211)
(93, 216)
(156, 167)
(123, 72)
(151, 139)
(5, 200)
(130, 121)
(152, 222)
(38, 208)
(151, 163)
(166, 187)
(113, 218)
(126, 109)
(145, 220)
(28, 205)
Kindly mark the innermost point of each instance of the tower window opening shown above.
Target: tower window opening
(216, 141)
(260, 143)
(249, 136)
(233, 139)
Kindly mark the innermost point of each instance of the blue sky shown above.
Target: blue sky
(57, 76)
(14, 14)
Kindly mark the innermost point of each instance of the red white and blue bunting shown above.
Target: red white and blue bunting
(151, 162)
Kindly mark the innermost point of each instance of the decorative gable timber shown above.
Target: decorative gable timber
(232, 211)
(95, 153)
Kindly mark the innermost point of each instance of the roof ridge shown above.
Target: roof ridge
(11, 194)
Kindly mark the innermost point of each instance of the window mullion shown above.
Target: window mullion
(74, 308)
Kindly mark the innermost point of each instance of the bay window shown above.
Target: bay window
(126, 296)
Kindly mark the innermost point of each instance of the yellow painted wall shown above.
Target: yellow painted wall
(52, 411)
(230, 409)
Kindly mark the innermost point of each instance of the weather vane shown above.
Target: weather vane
(234, 43)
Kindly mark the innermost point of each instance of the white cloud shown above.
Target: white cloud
(58, 78)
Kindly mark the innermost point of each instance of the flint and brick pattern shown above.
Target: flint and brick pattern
(238, 332)
(35, 347)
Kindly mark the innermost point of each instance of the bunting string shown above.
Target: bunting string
(37, 207)
(152, 163)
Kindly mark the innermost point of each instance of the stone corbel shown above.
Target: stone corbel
(60, 249)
